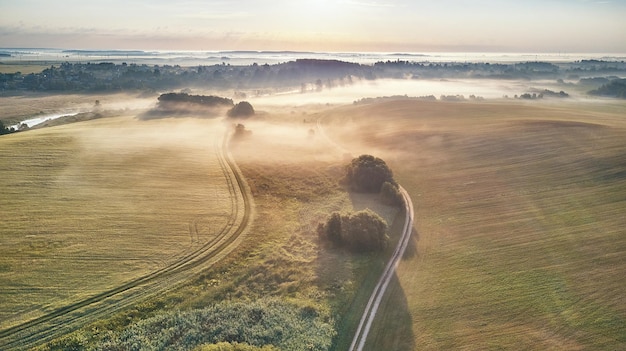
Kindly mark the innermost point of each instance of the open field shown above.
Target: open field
(89, 206)
(519, 228)
(520, 222)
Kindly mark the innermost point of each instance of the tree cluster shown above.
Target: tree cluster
(615, 88)
(358, 231)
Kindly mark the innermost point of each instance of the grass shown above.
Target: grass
(88, 206)
(106, 198)
(520, 227)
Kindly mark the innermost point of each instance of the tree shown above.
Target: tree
(358, 231)
(242, 109)
(367, 173)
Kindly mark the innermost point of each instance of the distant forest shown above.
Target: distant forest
(615, 88)
(603, 77)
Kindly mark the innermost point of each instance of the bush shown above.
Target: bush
(367, 173)
(358, 231)
(242, 109)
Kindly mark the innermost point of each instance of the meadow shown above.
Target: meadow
(519, 239)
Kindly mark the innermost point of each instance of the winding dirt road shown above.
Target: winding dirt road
(71, 317)
(372, 305)
(358, 342)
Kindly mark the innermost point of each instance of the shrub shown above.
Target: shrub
(358, 231)
(258, 325)
(367, 173)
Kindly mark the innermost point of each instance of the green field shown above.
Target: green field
(89, 206)
(520, 240)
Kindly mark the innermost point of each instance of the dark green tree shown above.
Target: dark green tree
(367, 173)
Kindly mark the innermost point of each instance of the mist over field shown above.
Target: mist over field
(491, 89)
(135, 172)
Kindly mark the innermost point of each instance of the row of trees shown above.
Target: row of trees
(309, 74)
(177, 104)
(201, 100)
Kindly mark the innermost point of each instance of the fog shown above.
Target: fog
(485, 88)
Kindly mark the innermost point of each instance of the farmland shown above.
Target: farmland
(518, 235)
(519, 223)
(91, 208)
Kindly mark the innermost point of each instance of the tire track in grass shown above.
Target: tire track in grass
(73, 316)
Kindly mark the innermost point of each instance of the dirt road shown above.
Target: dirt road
(372, 305)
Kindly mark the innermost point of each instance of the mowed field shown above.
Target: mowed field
(520, 217)
(91, 205)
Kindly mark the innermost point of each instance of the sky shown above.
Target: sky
(529, 26)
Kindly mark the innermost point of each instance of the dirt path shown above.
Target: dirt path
(372, 305)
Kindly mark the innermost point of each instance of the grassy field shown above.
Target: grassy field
(520, 240)
(98, 203)
(91, 205)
